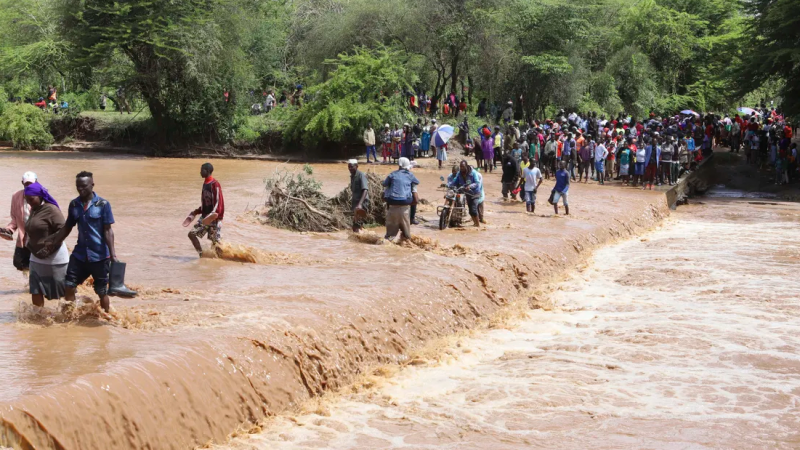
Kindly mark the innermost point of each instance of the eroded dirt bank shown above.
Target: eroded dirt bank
(216, 345)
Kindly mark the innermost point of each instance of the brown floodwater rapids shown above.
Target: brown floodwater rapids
(213, 345)
(688, 337)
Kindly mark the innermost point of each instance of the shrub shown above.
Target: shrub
(26, 126)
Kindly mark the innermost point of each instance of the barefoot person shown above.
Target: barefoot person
(94, 253)
(533, 179)
(48, 269)
(20, 211)
(211, 210)
(561, 188)
(359, 186)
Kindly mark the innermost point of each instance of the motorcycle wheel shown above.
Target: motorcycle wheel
(444, 218)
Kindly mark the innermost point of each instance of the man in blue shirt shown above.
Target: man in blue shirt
(473, 183)
(95, 249)
(399, 194)
(561, 188)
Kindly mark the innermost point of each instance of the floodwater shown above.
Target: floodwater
(688, 337)
(150, 198)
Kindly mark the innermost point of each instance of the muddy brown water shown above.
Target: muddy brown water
(684, 338)
(213, 344)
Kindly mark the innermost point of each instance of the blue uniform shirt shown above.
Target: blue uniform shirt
(91, 223)
(562, 181)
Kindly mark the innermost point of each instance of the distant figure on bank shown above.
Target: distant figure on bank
(20, 211)
(399, 194)
(561, 188)
(211, 211)
(369, 142)
(359, 187)
(48, 268)
(95, 254)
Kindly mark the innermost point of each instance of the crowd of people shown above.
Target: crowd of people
(578, 147)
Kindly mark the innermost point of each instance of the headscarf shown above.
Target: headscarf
(37, 190)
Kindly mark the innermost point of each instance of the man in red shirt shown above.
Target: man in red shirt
(211, 211)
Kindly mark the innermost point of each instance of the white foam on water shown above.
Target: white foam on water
(686, 338)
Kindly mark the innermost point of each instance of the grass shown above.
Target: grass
(123, 128)
(115, 119)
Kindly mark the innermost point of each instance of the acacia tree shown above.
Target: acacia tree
(176, 52)
(770, 49)
(31, 42)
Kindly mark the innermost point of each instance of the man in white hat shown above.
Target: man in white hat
(399, 194)
(20, 211)
(359, 186)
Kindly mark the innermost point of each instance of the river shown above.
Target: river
(687, 337)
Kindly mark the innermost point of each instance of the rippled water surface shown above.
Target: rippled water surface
(685, 338)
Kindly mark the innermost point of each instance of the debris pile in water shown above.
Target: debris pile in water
(376, 210)
(296, 202)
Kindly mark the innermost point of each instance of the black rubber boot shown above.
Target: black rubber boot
(117, 281)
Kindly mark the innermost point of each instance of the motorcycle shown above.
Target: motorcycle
(454, 209)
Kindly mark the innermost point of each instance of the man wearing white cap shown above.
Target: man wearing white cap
(359, 186)
(399, 193)
(20, 211)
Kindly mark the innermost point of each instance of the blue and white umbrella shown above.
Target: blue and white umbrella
(746, 110)
(443, 134)
(690, 112)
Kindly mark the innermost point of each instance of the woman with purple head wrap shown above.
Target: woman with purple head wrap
(47, 268)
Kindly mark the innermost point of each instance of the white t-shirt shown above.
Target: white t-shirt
(55, 259)
(640, 154)
(600, 152)
(532, 176)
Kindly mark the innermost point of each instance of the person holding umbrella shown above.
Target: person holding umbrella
(440, 138)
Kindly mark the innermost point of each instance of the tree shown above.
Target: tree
(770, 49)
(364, 87)
(180, 65)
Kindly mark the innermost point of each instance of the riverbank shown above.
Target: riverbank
(215, 345)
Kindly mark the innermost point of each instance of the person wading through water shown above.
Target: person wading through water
(399, 194)
(211, 211)
(95, 254)
(20, 211)
(359, 187)
(471, 180)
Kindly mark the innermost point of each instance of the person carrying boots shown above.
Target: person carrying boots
(95, 254)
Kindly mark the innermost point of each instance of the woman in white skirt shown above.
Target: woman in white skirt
(48, 268)
(441, 154)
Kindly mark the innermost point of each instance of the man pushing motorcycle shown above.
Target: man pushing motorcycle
(472, 182)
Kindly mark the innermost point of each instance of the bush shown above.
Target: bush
(3, 101)
(76, 102)
(366, 86)
(26, 126)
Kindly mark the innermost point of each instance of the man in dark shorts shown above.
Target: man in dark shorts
(95, 251)
(211, 210)
(359, 185)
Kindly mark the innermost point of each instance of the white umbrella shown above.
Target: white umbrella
(443, 134)
(690, 112)
(746, 110)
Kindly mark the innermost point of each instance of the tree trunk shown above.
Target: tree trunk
(454, 71)
(469, 92)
